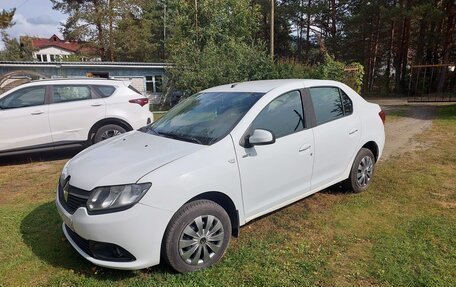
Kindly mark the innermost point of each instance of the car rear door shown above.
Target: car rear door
(273, 174)
(337, 134)
(24, 119)
(73, 111)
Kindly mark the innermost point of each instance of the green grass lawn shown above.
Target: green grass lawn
(401, 232)
(158, 114)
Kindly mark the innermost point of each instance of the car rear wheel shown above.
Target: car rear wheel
(362, 171)
(197, 236)
(108, 131)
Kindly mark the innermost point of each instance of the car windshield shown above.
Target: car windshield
(204, 118)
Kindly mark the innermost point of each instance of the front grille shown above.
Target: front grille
(76, 198)
(80, 242)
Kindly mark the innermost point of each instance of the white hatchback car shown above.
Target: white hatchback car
(61, 113)
(179, 188)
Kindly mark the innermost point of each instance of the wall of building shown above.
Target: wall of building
(145, 77)
(50, 54)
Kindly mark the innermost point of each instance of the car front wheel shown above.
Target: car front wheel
(362, 171)
(197, 236)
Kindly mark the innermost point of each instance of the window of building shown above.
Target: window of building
(158, 84)
(52, 58)
(150, 84)
(154, 84)
(283, 116)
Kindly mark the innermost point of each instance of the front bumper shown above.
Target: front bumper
(139, 230)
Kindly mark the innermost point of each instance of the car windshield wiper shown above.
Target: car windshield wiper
(178, 137)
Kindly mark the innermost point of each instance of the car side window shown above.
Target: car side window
(26, 97)
(327, 103)
(70, 93)
(348, 105)
(282, 116)
(105, 91)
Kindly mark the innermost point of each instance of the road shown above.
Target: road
(406, 122)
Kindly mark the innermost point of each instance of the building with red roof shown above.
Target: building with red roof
(54, 49)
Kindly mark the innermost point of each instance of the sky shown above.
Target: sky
(33, 18)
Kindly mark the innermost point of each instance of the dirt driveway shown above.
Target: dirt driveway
(403, 122)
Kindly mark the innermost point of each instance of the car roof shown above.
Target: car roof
(87, 81)
(265, 86)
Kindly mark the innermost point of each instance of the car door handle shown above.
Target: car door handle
(353, 132)
(35, 113)
(304, 148)
(96, 105)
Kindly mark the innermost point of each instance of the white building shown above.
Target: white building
(55, 50)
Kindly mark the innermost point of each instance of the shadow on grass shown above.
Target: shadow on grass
(42, 231)
(447, 113)
(39, 156)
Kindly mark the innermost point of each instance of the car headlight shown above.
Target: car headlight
(118, 197)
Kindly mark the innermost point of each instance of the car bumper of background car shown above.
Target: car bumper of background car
(129, 239)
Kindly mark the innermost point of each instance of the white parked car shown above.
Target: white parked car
(61, 113)
(179, 188)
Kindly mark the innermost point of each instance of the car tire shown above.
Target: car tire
(362, 171)
(197, 236)
(108, 131)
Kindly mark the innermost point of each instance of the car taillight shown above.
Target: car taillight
(141, 101)
(382, 116)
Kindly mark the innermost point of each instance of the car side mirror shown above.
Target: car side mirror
(261, 137)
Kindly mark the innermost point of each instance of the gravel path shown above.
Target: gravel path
(401, 131)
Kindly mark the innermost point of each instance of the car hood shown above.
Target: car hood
(124, 159)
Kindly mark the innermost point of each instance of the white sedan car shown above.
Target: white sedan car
(62, 113)
(179, 188)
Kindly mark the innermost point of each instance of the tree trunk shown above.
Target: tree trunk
(375, 52)
(398, 52)
(111, 38)
(421, 44)
(446, 45)
(301, 30)
(99, 25)
(388, 57)
(405, 48)
(333, 18)
(309, 3)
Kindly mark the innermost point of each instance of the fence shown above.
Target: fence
(432, 83)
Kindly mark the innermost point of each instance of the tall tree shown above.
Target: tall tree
(213, 43)
(116, 29)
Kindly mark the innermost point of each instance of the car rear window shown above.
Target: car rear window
(105, 91)
(133, 89)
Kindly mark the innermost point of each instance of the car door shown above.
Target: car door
(274, 174)
(24, 119)
(337, 134)
(73, 111)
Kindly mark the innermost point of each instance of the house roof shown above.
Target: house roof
(55, 41)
